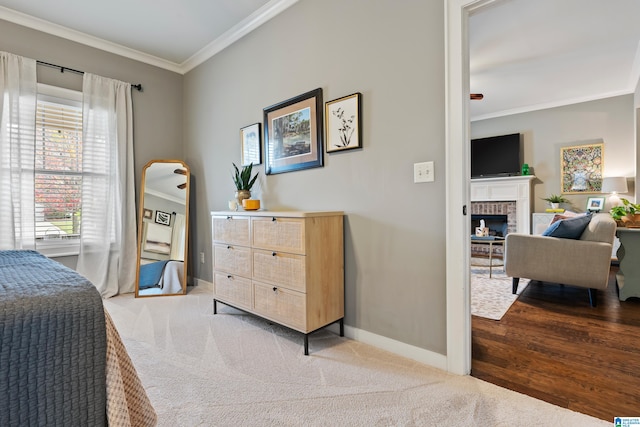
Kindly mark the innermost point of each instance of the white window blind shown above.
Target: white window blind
(58, 170)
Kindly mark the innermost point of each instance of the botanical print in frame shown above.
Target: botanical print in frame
(343, 127)
(293, 134)
(250, 142)
(581, 168)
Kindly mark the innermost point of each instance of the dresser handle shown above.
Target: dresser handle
(229, 276)
(274, 253)
(228, 247)
(273, 219)
(275, 289)
(228, 218)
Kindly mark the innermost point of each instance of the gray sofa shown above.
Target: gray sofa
(582, 262)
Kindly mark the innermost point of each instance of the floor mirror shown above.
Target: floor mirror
(163, 229)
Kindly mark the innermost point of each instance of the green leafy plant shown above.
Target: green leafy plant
(556, 198)
(627, 208)
(242, 179)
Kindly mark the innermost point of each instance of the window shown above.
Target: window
(58, 170)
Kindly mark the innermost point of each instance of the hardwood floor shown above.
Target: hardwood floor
(553, 346)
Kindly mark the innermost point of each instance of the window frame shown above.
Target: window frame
(58, 247)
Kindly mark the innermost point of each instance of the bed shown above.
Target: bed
(62, 361)
(161, 277)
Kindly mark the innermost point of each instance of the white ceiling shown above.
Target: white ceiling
(524, 54)
(531, 54)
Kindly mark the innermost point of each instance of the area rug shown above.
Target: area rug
(491, 297)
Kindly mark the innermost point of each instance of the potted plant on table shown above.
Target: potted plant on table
(627, 214)
(244, 182)
(555, 200)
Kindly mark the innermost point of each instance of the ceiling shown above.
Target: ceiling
(524, 54)
(527, 55)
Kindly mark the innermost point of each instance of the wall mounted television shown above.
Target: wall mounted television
(496, 156)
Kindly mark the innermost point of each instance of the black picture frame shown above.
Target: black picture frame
(251, 145)
(163, 218)
(293, 134)
(343, 127)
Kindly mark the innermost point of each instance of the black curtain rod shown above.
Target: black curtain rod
(63, 69)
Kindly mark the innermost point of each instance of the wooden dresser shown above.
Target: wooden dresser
(287, 267)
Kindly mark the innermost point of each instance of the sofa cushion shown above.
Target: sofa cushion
(570, 228)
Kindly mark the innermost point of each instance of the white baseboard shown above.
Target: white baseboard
(409, 351)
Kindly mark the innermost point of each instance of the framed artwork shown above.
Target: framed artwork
(251, 143)
(595, 204)
(343, 128)
(581, 168)
(157, 239)
(163, 218)
(293, 134)
(148, 214)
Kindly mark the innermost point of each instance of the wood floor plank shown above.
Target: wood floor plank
(553, 346)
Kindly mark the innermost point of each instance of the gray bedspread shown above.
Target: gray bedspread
(52, 344)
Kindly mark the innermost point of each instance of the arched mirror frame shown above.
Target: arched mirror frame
(141, 224)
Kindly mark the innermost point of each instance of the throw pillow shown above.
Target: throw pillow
(570, 228)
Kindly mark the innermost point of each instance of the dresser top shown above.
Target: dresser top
(290, 214)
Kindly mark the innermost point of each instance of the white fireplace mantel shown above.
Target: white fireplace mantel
(505, 189)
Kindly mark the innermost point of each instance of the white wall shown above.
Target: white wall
(608, 120)
(394, 229)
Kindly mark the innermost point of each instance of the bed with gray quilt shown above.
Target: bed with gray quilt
(54, 343)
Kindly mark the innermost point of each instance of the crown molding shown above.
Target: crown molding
(553, 104)
(235, 33)
(253, 21)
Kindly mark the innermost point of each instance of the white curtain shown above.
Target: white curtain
(108, 243)
(18, 89)
(178, 237)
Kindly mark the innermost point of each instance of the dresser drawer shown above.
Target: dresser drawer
(279, 304)
(231, 229)
(280, 268)
(232, 259)
(234, 290)
(278, 233)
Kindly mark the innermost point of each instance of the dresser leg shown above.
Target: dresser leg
(342, 327)
(215, 307)
(306, 344)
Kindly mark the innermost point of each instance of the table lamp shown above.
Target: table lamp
(614, 185)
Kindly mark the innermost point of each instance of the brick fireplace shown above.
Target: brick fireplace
(508, 198)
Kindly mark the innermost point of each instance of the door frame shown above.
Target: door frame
(457, 134)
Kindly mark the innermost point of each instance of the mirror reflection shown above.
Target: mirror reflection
(163, 229)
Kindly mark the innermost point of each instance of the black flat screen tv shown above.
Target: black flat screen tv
(495, 156)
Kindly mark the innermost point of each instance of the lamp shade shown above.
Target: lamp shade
(614, 184)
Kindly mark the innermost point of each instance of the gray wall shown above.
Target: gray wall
(157, 110)
(394, 229)
(609, 120)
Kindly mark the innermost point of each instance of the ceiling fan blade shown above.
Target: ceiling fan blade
(180, 171)
(182, 186)
(476, 96)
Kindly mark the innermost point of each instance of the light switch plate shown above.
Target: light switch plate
(423, 172)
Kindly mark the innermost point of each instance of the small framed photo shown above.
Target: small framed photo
(595, 204)
(148, 214)
(293, 134)
(251, 145)
(342, 122)
(163, 218)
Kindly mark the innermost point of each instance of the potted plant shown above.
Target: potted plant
(244, 182)
(627, 214)
(555, 200)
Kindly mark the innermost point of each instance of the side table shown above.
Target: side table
(628, 277)
(490, 242)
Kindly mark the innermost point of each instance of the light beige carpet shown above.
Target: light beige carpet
(491, 297)
(234, 369)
